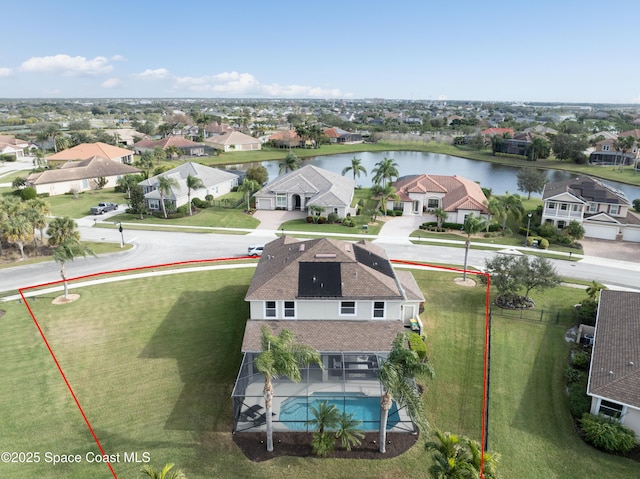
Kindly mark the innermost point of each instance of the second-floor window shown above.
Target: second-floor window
(289, 309)
(605, 147)
(347, 307)
(378, 309)
(563, 206)
(613, 209)
(552, 205)
(593, 207)
(270, 309)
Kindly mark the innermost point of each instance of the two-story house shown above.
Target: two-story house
(603, 211)
(607, 154)
(344, 299)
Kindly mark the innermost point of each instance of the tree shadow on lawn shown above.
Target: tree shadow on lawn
(203, 332)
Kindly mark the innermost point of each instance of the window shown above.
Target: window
(433, 203)
(347, 307)
(605, 147)
(378, 309)
(564, 206)
(552, 205)
(575, 207)
(270, 309)
(281, 200)
(613, 209)
(610, 409)
(154, 204)
(289, 309)
(593, 207)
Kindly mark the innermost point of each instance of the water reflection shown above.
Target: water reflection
(499, 178)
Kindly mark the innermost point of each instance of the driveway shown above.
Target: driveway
(271, 220)
(619, 250)
(397, 229)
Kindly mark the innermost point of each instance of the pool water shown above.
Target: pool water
(296, 411)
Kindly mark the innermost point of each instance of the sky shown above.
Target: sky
(562, 51)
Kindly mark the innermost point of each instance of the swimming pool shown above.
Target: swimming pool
(295, 411)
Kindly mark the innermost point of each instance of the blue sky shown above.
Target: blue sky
(548, 51)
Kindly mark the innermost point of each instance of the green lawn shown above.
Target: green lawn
(152, 361)
(68, 205)
(214, 217)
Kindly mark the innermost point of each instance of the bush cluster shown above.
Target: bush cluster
(394, 212)
(607, 434)
(416, 343)
(200, 204)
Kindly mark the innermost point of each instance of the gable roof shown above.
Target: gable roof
(324, 188)
(497, 131)
(84, 151)
(615, 361)
(165, 143)
(209, 176)
(587, 189)
(81, 170)
(325, 268)
(459, 193)
(232, 138)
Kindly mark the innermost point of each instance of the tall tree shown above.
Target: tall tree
(36, 211)
(67, 251)
(17, 229)
(248, 187)
(512, 205)
(384, 194)
(173, 152)
(281, 356)
(441, 215)
(472, 225)
(165, 184)
(385, 170)
(356, 168)
(257, 173)
(290, 163)
(127, 182)
(193, 183)
(145, 162)
(61, 229)
(531, 180)
(623, 145)
(538, 273)
(397, 375)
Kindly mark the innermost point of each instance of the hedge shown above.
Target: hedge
(416, 343)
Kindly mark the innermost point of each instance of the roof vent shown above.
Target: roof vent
(301, 248)
(325, 255)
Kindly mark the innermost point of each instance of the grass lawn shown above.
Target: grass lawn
(152, 361)
(221, 217)
(68, 205)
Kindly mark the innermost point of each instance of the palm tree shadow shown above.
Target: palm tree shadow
(203, 333)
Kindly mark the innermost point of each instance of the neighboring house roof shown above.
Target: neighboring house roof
(165, 143)
(541, 129)
(209, 176)
(232, 138)
(497, 131)
(286, 135)
(635, 133)
(11, 141)
(615, 362)
(587, 189)
(459, 193)
(94, 167)
(218, 128)
(325, 268)
(84, 151)
(324, 188)
(328, 335)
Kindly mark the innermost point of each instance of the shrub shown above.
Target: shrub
(543, 243)
(572, 375)
(28, 193)
(198, 203)
(348, 222)
(547, 231)
(530, 241)
(580, 360)
(607, 434)
(417, 344)
(636, 204)
(332, 218)
(309, 219)
(494, 227)
(8, 158)
(43, 195)
(322, 220)
(579, 402)
(588, 311)
(428, 224)
(452, 226)
(564, 240)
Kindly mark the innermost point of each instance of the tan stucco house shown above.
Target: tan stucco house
(84, 151)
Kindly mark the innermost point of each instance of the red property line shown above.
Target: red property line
(214, 260)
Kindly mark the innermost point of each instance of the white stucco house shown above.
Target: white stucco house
(306, 187)
(234, 141)
(216, 183)
(603, 211)
(614, 375)
(347, 301)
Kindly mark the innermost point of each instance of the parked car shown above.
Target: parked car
(255, 250)
(102, 208)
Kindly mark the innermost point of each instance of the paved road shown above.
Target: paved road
(159, 247)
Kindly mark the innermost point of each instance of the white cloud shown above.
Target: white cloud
(67, 65)
(6, 72)
(111, 83)
(635, 100)
(159, 73)
(118, 58)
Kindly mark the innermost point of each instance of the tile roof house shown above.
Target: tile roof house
(614, 375)
(603, 211)
(84, 151)
(188, 147)
(305, 187)
(216, 183)
(498, 131)
(346, 300)
(79, 176)
(607, 154)
(285, 139)
(13, 146)
(338, 135)
(421, 194)
(234, 141)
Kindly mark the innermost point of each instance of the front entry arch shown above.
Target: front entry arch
(297, 202)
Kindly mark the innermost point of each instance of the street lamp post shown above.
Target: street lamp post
(121, 235)
(526, 240)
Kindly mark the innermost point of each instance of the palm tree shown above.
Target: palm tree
(166, 472)
(396, 375)
(173, 152)
(18, 230)
(128, 182)
(385, 194)
(356, 168)
(145, 162)
(487, 464)
(165, 184)
(385, 170)
(324, 416)
(623, 145)
(290, 163)
(10, 206)
(67, 251)
(452, 459)
(348, 432)
(248, 187)
(281, 356)
(512, 206)
(35, 212)
(472, 225)
(496, 209)
(594, 289)
(441, 215)
(193, 183)
(62, 229)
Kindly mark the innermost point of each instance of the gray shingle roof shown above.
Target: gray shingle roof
(81, 170)
(615, 364)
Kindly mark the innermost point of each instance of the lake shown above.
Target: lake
(499, 178)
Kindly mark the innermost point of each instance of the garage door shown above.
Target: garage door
(631, 234)
(264, 204)
(600, 231)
